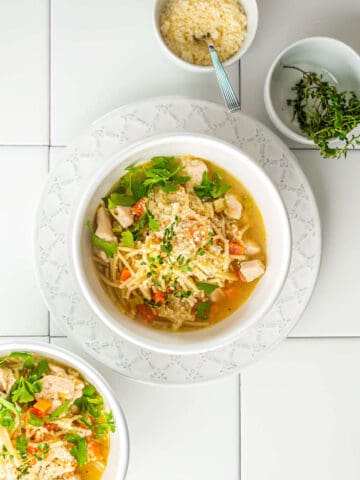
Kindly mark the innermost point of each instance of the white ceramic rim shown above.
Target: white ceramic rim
(76, 226)
(262, 348)
(202, 68)
(94, 377)
(267, 95)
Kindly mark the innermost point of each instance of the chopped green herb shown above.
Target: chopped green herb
(23, 390)
(122, 199)
(21, 446)
(324, 114)
(208, 288)
(104, 424)
(34, 420)
(127, 239)
(79, 450)
(202, 309)
(43, 450)
(60, 410)
(108, 247)
(211, 189)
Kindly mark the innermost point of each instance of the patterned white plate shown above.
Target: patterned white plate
(106, 136)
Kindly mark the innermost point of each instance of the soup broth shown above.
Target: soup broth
(179, 243)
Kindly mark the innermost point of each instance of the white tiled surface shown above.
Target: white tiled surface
(300, 412)
(299, 405)
(106, 55)
(24, 77)
(178, 433)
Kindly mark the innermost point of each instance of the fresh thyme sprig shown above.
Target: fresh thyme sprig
(325, 114)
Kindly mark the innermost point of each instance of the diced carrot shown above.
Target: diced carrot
(43, 406)
(240, 276)
(139, 207)
(231, 292)
(159, 297)
(31, 462)
(31, 449)
(236, 248)
(124, 275)
(51, 426)
(145, 311)
(35, 411)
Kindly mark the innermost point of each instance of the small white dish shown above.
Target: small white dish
(277, 232)
(336, 61)
(118, 459)
(252, 13)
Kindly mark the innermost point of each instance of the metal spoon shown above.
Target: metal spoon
(223, 80)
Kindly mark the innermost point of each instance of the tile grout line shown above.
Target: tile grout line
(49, 138)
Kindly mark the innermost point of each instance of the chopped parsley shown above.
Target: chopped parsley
(42, 451)
(208, 288)
(202, 309)
(60, 410)
(122, 199)
(127, 238)
(210, 189)
(21, 446)
(79, 449)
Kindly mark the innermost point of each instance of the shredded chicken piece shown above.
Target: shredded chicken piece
(7, 380)
(233, 206)
(194, 169)
(103, 225)
(123, 215)
(57, 463)
(60, 388)
(252, 269)
(251, 248)
(217, 295)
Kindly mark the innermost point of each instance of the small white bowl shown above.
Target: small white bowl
(276, 225)
(252, 13)
(119, 442)
(335, 60)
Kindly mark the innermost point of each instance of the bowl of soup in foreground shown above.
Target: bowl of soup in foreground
(180, 242)
(59, 417)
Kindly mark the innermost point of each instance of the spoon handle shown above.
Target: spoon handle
(223, 80)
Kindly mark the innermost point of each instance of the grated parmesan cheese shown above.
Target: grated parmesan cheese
(183, 22)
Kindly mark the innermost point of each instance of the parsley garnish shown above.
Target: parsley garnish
(211, 189)
(21, 445)
(109, 248)
(208, 288)
(127, 239)
(202, 309)
(120, 199)
(60, 410)
(43, 450)
(79, 450)
(91, 401)
(104, 424)
(145, 219)
(34, 420)
(8, 413)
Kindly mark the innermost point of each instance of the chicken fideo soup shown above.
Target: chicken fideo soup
(53, 424)
(178, 243)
